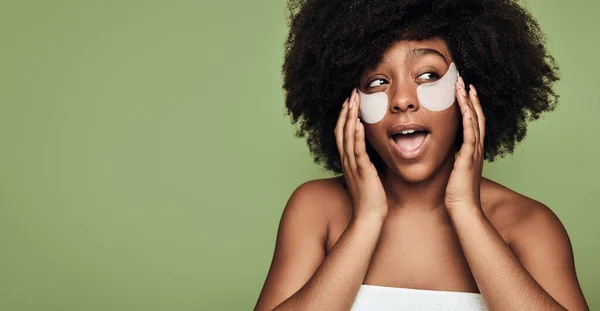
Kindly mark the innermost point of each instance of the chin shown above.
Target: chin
(413, 173)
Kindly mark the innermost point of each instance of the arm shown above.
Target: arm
(299, 251)
(505, 283)
(301, 277)
(543, 247)
(549, 282)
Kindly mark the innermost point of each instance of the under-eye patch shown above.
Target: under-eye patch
(435, 96)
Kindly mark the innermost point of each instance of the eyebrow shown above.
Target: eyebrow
(415, 53)
(424, 51)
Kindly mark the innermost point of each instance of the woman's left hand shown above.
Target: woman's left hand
(463, 186)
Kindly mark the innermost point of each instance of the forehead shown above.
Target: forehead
(403, 49)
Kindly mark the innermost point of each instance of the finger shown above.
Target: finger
(472, 113)
(461, 96)
(469, 139)
(360, 150)
(350, 130)
(474, 121)
(339, 128)
(479, 110)
(468, 133)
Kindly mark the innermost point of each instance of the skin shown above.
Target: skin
(428, 223)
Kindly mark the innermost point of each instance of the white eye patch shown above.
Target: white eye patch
(441, 94)
(436, 96)
(372, 107)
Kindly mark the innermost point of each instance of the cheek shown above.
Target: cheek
(455, 120)
(448, 125)
(375, 136)
(370, 134)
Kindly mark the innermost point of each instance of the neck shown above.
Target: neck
(426, 195)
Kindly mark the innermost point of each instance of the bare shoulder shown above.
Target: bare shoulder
(327, 198)
(514, 214)
(322, 196)
(538, 239)
(312, 204)
(323, 188)
(329, 201)
(302, 238)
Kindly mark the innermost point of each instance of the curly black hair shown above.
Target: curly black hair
(497, 45)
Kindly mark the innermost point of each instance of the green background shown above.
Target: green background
(145, 157)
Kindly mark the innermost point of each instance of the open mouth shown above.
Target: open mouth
(409, 143)
(409, 140)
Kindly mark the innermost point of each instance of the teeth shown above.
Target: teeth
(408, 132)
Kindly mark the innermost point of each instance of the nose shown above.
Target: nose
(404, 98)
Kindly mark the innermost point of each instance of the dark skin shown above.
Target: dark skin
(431, 222)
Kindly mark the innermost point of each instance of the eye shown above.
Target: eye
(377, 82)
(428, 76)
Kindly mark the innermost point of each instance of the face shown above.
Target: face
(412, 140)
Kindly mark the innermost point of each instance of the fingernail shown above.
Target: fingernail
(462, 91)
(462, 82)
(351, 99)
(473, 89)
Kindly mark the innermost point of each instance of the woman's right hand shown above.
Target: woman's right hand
(368, 196)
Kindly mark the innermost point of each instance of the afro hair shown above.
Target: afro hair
(496, 44)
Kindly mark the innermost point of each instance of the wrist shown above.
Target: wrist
(465, 209)
(462, 204)
(369, 219)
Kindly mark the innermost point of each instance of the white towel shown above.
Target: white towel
(384, 298)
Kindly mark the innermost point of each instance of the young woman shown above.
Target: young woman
(411, 224)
